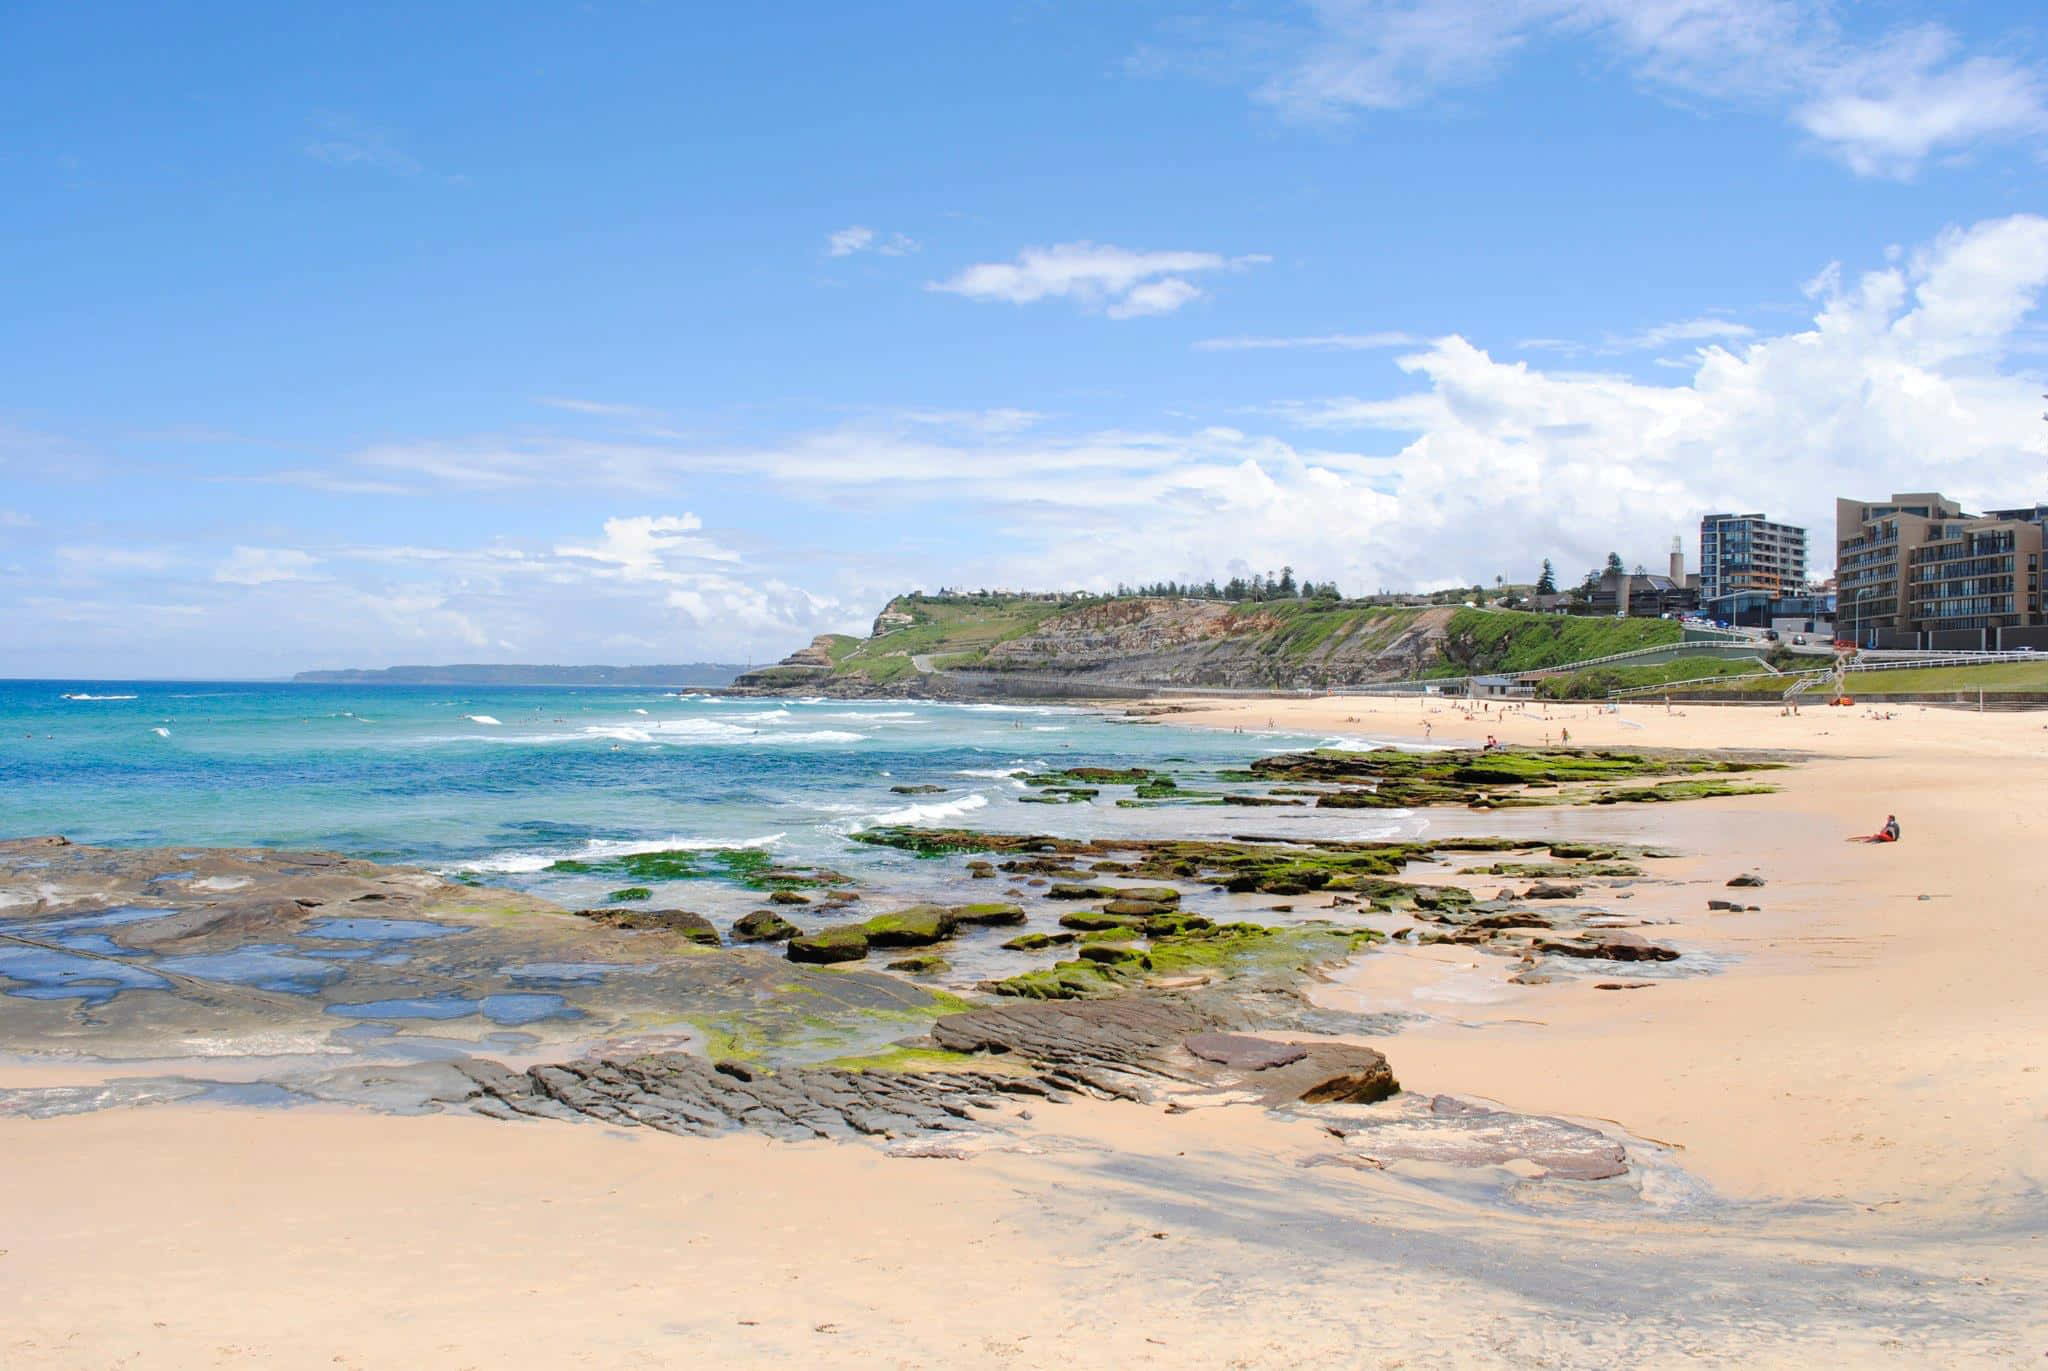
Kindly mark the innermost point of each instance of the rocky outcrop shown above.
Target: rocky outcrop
(763, 926)
(681, 922)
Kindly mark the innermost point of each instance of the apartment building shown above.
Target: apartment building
(1915, 571)
(1746, 562)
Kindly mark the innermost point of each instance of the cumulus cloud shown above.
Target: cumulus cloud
(649, 547)
(1117, 281)
(1883, 106)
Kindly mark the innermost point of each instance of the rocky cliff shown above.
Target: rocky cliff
(942, 647)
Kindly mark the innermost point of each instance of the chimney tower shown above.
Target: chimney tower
(1677, 561)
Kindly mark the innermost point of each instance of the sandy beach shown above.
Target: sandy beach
(1843, 1138)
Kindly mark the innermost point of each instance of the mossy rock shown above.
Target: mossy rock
(917, 790)
(787, 897)
(919, 964)
(1115, 954)
(1076, 890)
(987, 915)
(680, 922)
(1037, 942)
(763, 926)
(1142, 909)
(845, 943)
(1088, 920)
(1075, 980)
(631, 892)
(1169, 925)
(918, 926)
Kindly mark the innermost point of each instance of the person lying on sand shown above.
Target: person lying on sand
(1888, 834)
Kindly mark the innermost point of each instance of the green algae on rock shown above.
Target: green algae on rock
(1388, 778)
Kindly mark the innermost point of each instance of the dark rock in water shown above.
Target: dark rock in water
(1140, 908)
(1612, 945)
(917, 790)
(918, 926)
(1038, 942)
(987, 915)
(787, 897)
(1749, 878)
(1724, 906)
(919, 964)
(763, 926)
(1554, 890)
(846, 943)
(1244, 1053)
(695, 927)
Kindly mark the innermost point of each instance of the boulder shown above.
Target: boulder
(1140, 908)
(1554, 890)
(1748, 878)
(763, 926)
(845, 943)
(787, 897)
(920, 925)
(917, 790)
(987, 915)
(919, 963)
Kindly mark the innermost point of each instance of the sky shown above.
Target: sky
(632, 332)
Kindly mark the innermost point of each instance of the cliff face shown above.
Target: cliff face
(1195, 642)
(953, 647)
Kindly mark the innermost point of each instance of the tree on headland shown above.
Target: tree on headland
(1614, 563)
(1546, 584)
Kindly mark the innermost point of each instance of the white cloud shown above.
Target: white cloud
(859, 238)
(1320, 342)
(648, 547)
(1883, 106)
(256, 566)
(1888, 110)
(1701, 330)
(11, 518)
(1121, 283)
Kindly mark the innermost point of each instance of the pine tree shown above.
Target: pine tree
(1546, 584)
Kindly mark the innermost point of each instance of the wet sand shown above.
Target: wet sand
(1853, 1119)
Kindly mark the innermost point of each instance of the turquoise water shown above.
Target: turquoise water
(501, 783)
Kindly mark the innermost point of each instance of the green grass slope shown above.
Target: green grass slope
(1482, 641)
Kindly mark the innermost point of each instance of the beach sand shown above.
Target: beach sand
(1853, 1117)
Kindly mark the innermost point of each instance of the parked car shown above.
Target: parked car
(1770, 635)
(1799, 640)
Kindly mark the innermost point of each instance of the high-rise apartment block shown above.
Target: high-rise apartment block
(1915, 571)
(1746, 562)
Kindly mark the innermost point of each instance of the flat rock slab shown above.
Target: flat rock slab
(1244, 1053)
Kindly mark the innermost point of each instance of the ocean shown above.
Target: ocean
(498, 785)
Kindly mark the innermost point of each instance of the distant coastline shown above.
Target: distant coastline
(709, 674)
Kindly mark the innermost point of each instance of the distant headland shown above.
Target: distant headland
(708, 674)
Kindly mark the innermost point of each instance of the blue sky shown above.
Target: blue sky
(623, 332)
